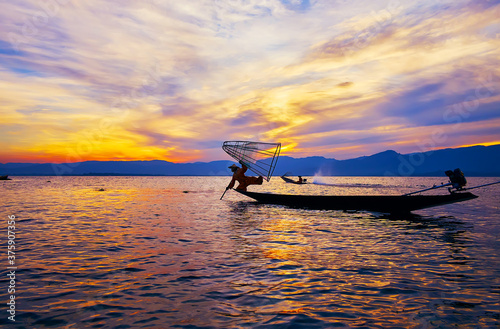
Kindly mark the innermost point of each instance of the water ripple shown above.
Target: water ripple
(143, 254)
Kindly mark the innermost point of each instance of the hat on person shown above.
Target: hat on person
(233, 166)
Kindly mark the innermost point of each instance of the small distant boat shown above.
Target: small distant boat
(289, 180)
(5, 177)
(379, 203)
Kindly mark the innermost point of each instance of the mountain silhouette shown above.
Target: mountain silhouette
(474, 161)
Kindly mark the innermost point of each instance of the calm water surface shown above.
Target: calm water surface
(165, 252)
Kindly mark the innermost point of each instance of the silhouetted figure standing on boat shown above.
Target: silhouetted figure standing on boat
(243, 181)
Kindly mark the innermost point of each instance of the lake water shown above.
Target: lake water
(165, 252)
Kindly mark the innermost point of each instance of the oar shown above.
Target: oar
(223, 194)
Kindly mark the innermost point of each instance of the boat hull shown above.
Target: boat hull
(379, 203)
(288, 180)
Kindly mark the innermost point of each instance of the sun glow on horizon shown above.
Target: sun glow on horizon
(151, 81)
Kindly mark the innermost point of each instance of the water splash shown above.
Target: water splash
(320, 180)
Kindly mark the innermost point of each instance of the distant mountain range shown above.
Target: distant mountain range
(474, 161)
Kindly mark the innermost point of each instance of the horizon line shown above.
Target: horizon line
(311, 156)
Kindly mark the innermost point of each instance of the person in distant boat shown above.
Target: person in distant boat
(243, 181)
(300, 180)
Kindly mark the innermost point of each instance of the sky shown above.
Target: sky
(171, 80)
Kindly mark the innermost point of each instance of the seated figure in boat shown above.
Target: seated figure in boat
(300, 180)
(243, 181)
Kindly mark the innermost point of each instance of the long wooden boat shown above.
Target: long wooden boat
(289, 180)
(379, 203)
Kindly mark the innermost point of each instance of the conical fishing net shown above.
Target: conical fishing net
(261, 158)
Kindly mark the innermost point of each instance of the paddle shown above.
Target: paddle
(223, 194)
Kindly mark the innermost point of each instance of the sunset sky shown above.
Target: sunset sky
(172, 80)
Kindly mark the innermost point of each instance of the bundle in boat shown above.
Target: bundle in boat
(260, 158)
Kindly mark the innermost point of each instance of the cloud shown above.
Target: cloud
(345, 84)
(156, 80)
(296, 5)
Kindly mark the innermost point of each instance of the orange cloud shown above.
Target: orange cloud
(147, 81)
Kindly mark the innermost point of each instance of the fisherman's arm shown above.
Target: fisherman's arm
(231, 184)
(243, 167)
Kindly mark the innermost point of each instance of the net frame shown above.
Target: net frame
(255, 155)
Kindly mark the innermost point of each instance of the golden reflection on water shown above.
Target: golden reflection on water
(149, 251)
(370, 289)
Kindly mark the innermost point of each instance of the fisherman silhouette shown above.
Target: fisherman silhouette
(243, 181)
